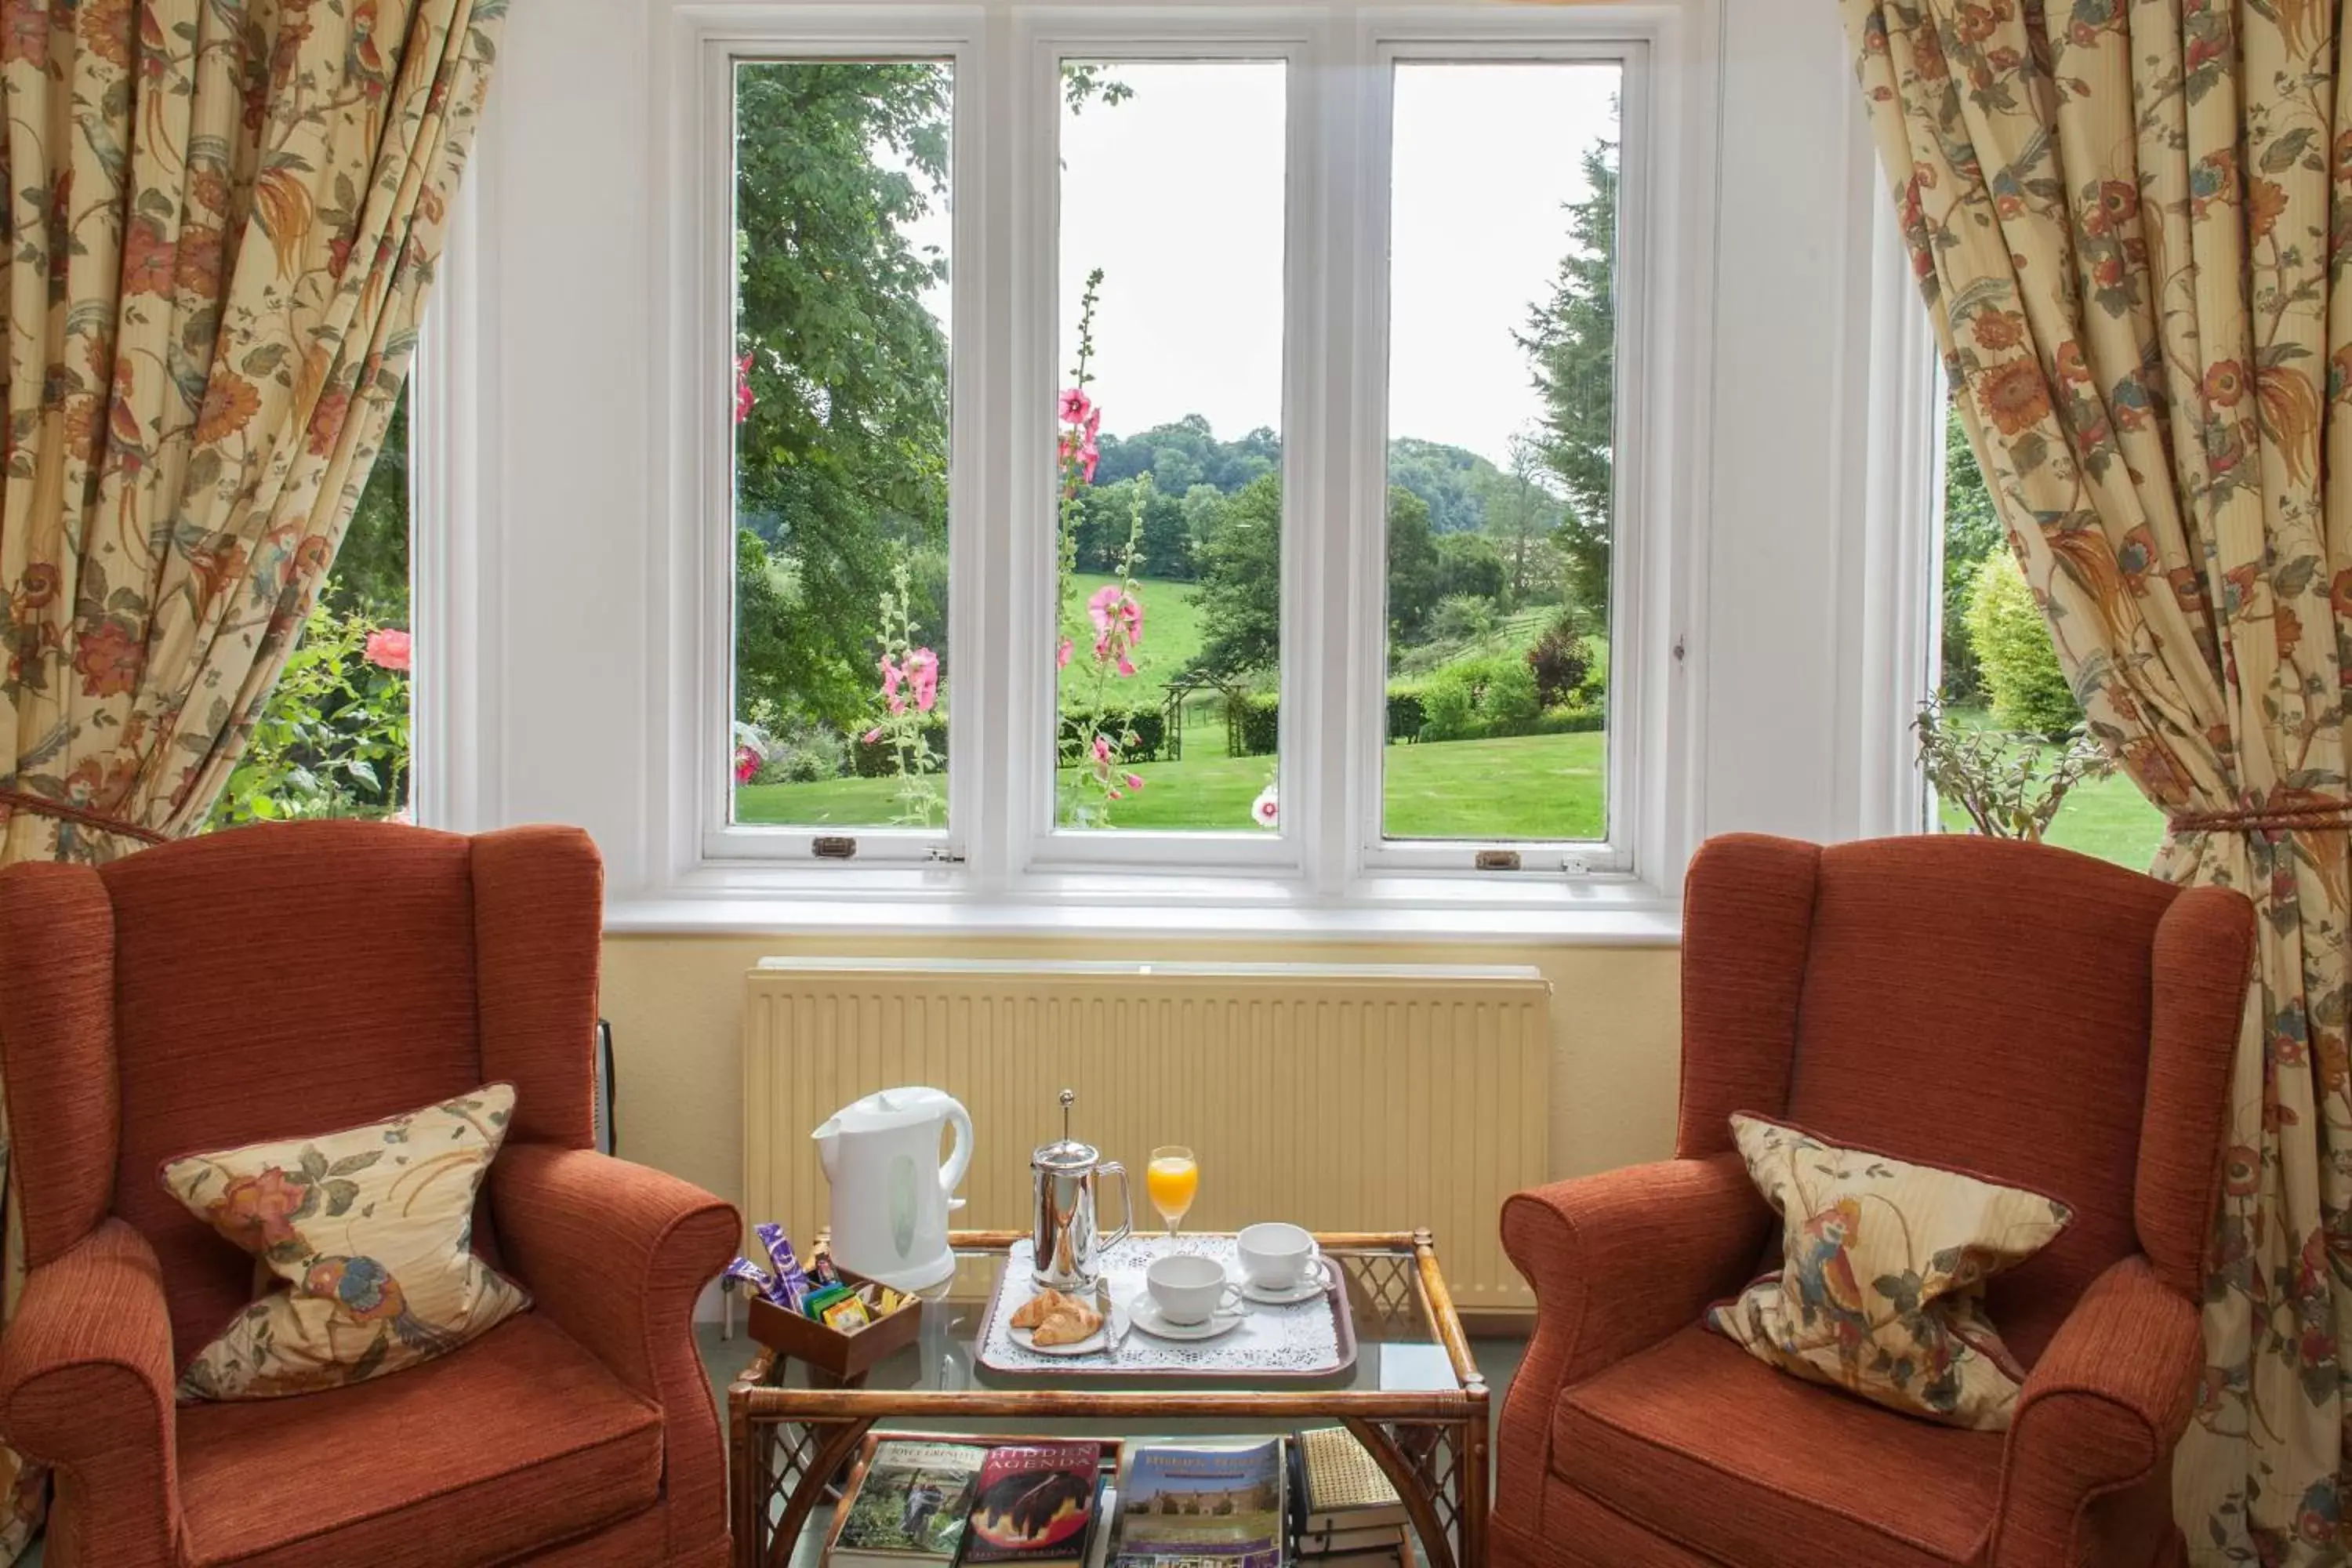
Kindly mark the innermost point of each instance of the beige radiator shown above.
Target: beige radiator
(1340, 1097)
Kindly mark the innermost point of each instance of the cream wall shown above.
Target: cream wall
(676, 1007)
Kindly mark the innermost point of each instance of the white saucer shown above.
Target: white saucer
(1144, 1314)
(1304, 1290)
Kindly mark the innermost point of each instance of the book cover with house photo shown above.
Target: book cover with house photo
(910, 1506)
(1220, 1504)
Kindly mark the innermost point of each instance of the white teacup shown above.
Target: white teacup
(1189, 1288)
(1281, 1258)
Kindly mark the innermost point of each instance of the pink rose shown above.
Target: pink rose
(388, 650)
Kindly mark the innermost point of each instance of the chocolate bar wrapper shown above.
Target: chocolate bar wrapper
(750, 1273)
(791, 1286)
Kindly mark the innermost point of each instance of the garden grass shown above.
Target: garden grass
(1532, 786)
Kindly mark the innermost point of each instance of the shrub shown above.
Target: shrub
(1253, 724)
(804, 756)
(1406, 715)
(1510, 705)
(1449, 706)
(1559, 662)
(1461, 618)
(2011, 638)
(876, 761)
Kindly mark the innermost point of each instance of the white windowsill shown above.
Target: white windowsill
(1386, 909)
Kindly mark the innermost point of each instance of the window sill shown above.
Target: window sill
(1601, 913)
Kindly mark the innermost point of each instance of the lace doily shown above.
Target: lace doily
(1301, 1340)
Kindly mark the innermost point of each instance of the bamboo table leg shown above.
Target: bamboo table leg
(1411, 1488)
(835, 1452)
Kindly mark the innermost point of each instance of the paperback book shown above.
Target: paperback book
(1036, 1506)
(910, 1507)
(1203, 1506)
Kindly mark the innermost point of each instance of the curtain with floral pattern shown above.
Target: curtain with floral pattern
(2130, 220)
(222, 220)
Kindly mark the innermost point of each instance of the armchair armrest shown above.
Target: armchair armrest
(2096, 1423)
(1618, 1262)
(617, 1254)
(86, 1385)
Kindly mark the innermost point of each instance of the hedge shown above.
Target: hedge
(1255, 725)
(1148, 726)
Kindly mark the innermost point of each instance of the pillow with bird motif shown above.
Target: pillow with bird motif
(369, 1232)
(1881, 1288)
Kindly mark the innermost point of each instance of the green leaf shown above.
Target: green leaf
(341, 1195)
(353, 1165)
(313, 1163)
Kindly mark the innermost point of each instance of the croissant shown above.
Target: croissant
(1039, 1306)
(1068, 1325)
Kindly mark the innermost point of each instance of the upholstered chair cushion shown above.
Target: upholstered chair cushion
(368, 1232)
(1881, 1288)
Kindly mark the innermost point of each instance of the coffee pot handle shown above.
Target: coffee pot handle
(1127, 1196)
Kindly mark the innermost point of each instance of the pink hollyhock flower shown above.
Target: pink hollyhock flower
(874, 734)
(1113, 795)
(1093, 424)
(1100, 608)
(1088, 458)
(1266, 810)
(1135, 781)
(745, 398)
(891, 675)
(747, 765)
(1062, 654)
(388, 650)
(923, 674)
(1075, 406)
(1125, 667)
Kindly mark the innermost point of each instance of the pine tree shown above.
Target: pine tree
(1571, 340)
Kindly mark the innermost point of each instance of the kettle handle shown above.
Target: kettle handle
(1126, 1193)
(959, 1155)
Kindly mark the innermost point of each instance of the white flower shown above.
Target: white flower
(1266, 810)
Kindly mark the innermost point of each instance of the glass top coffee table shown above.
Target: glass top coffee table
(1413, 1397)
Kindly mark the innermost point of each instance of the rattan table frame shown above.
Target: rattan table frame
(1432, 1443)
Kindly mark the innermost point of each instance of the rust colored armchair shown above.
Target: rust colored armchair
(277, 981)
(2036, 1017)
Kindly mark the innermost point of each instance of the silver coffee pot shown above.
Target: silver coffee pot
(1063, 1177)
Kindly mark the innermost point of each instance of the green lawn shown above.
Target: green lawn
(1535, 786)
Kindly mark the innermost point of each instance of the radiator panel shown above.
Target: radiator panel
(1340, 1097)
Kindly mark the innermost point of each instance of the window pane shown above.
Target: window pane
(2003, 697)
(333, 739)
(841, 416)
(1171, 443)
(1502, 499)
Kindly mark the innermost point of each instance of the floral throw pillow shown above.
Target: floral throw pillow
(370, 1233)
(1881, 1290)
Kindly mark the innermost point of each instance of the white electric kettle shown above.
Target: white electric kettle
(890, 1194)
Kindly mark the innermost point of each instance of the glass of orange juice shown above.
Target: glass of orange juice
(1172, 1178)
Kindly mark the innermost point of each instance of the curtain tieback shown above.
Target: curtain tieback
(16, 800)
(2311, 816)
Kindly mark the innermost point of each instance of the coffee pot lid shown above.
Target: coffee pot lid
(1066, 1153)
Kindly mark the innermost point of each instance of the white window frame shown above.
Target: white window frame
(1003, 847)
(1518, 36)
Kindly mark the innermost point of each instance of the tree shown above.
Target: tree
(843, 457)
(2011, 636)
(1241, 584)
(1571, 343)
(1972, 531)
(1519, 514)
(1416, 571)
(1469, 564)
(371, 576)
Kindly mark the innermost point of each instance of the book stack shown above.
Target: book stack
(923, 1504)
(1348, 1515)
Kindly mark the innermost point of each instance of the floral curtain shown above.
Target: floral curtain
(222, 218)
(2130, 220)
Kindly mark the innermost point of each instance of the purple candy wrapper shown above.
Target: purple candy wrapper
(750, 1273)
(789, 1286)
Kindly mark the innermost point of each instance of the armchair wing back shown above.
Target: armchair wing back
(294, 979)
(2029, 1015)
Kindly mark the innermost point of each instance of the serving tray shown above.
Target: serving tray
(1312, 1339)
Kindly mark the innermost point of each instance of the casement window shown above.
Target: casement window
(1200, 442)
